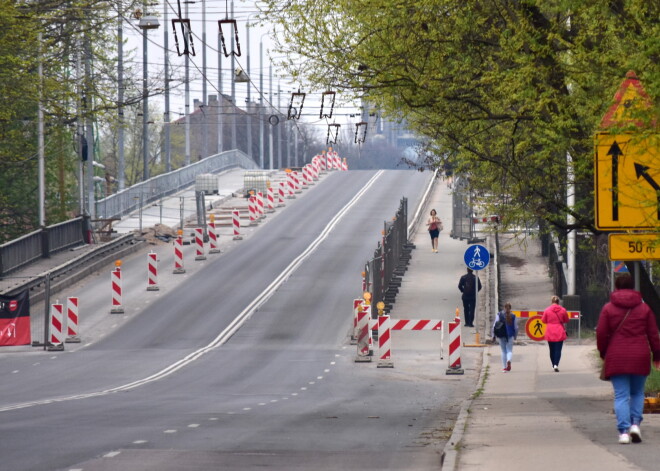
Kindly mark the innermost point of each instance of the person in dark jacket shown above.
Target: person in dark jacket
(469, 296)
(555, 317)
(626, 336)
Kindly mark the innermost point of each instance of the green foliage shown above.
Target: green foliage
(52, 35)
(505, 88)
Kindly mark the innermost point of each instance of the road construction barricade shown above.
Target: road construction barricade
(178, 256)
(213, 236)
(535, 329)
(252, 208)
(385, 338)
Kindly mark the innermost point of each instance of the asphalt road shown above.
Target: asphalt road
(244, 362)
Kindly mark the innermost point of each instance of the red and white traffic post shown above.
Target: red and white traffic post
(72, 320)
(455, 349)
(260, 205)
(56, 342)
(236, 223)
(271, 199)
(364, 334)
(178, 254)
(152, 272)
(199, 244)
(115, 278)
(280, 194)
(384, 343)
(213, 236)
(252, 207)
(290, 184)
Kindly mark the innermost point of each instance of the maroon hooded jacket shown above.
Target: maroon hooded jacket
(628, 350)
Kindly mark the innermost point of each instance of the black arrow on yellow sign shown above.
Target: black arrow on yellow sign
(640, 171)
(615, 152)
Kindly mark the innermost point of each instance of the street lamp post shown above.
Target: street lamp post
(146, 23)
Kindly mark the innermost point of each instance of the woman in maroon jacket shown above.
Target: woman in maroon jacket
(626, 335)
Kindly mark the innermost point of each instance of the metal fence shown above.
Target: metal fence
(41, 244)
(462, 226)
(130, 199)
(390, 261)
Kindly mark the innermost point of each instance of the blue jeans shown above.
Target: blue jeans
(628, 400)
(506, 345)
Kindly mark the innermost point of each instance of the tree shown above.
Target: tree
(51, 34)
(503, 90)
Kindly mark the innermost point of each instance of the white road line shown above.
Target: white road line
(231, 328)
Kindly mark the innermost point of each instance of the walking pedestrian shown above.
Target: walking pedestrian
(554, 317)
(466, 286)
(626, 335)
(434, 227)
(505, 330)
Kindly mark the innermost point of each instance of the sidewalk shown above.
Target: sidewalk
(533, 417)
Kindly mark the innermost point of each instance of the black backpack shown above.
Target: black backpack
(500, 327)
(468, 287)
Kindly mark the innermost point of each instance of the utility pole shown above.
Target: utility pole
(121, 165)
(166, 114)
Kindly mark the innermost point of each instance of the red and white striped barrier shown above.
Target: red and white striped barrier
(213, 237)
(354, 334)
(306, 179)
(236, 223)
(384, 343)
(252, 207)
(290, 185)
(364, 334)
(152, 272)
(72, 320)
(115, 278)
(56, 327)
(454, 349)
(271, 200)
(344, 165)
(296, 182)
(260, 205)
(199, 244)
(416, 324)
(178, 256)
(281, 192)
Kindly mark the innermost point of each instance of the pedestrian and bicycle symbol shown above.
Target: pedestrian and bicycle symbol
(476, 257)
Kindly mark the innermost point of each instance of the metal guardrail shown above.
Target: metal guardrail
(140, 194)
(42, 243)
(78, 268)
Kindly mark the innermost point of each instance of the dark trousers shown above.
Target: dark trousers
(555, 352)
(468, 310)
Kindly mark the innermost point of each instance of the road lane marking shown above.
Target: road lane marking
(231, 329)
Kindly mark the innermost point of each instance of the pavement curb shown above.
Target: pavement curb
(449, 461)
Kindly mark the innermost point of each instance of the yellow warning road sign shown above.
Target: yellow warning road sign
(535, 328)
(633, 247)
(627, 186)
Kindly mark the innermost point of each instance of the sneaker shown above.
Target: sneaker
(556, 368)
(624, 438)
(635, 434)
(504, 370)
(508, 366)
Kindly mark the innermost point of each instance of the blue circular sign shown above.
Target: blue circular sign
(476, 257)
